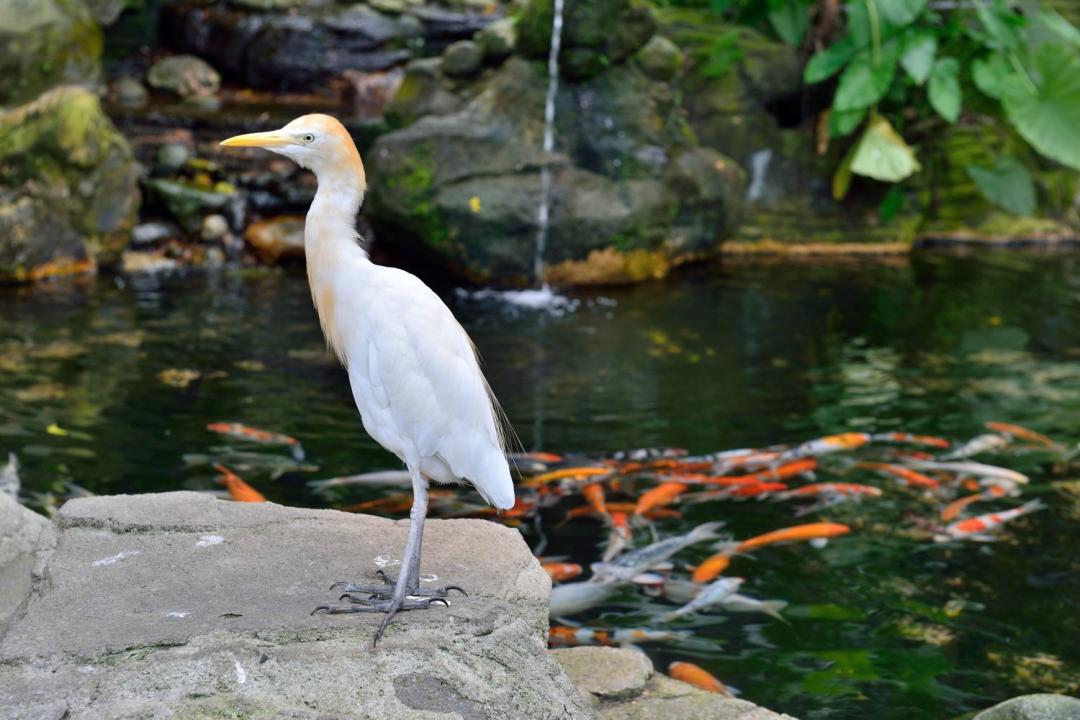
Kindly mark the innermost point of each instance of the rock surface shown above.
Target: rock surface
(621, 685)
(68, 186)
(184, 75)
(1034, 707)
(179, 605)
(19, 531)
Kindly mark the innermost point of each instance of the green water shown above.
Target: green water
(724, 356)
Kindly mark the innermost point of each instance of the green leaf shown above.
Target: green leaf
(892, 204)
(900, 12)
(1058, 27)
(790, 19)
(989, 72)
(724, 52)
(841, 181)
(842, 123)
(1000, 24)
(944, 88)
(919, 49)
(828, 62)
(882, 154)
(1007, 184)
(858, 22)
(862, 84)
(1048, 118)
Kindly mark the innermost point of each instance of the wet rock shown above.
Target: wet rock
(276, 238)
(105, 12)
(1034, 707)
(201, 609)
(369, 93)
(497, 40)
(596, 35)
(19, 531)
(605, 673)
(134, 262)
(184, 75)
(214, 227)
(660, 58)
(152, 233)
(68, 186)
(442, 24)
(188, 203)
(424, 91)
(171, 157)
(461, 59)
(46, 43)
(129, 92)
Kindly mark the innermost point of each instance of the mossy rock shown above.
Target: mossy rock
(46, 43)
(68, 183)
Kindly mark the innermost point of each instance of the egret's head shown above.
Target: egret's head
(317, 142)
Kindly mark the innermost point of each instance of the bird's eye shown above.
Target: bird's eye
(309, 138)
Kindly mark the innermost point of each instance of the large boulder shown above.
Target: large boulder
(68, 186)
(44, 43)
(463, 182)
(19, 531)
(1034, 707)
(180, 605)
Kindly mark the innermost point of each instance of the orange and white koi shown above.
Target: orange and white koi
(743, 603)
(906, 476)
(758, 490)
(797, 533)
(986, 442)
(1021, 432)
(662, 494)
(569, 636)
(238, 489)
(828, 489)
(698, 677)
(783, 472)
(909, 439)
(576, 473)
(255, 435)
(711, 567)
(639, 454)
(620, 536)
(561, 571)
(826, 445)
(952, 510)
(594, 494)
(979, 528)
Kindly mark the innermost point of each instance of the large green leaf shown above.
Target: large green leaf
(1048, 118)
(858, 22)
(1000, 24)
(790, 19)
(1007, 184)
(989, 72)
(900, 12)
(882, 154)
(828, 62)
(919, 49)
(841, 181)
(842, 123)
(863, 84)
(944, 88)
(1058, 27)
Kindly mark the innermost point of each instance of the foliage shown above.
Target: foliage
(900, 71)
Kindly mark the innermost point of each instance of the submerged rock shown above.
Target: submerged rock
(184, 75)
(201, 608)
(68, 186)
(46, 43)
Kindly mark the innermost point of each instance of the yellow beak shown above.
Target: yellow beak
(274, 138)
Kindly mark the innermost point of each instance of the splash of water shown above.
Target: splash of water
(542, 215)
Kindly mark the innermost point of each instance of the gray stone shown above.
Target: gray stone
(180, 605)
(129, 92)
(605, 673)
(171, 157)
(1034, 707)
(188, 203)
(213, 228)
(461, 59)
(660, 58)
(498, 39)
(674, 700)
(105, 11)
(153, 232)
(19, 531)
(184, 75)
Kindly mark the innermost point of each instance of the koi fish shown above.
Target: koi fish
(562, 635)
(1021, 432)
(838, 489)
(572, 598)
(976, 445)
(533, 461)
(632, 563)
(909, 439)
(973, 469)
(9, 477)
(906, 476)
(626, 508)
(711, 567)
(255, 435)
(576, 473)
(594, 494)
(700, 678)
(743, 603)
(640, 454)
(952, 510)
(759, 490)
(711, 594)
(238, 489)
(752, 459)
(561, 571)
(662, 494)
(620, 537)
(826, 445)
(978, 528)
(275, 465)
(671, 589)
(379, 477)
(783, 472)
(810, 531)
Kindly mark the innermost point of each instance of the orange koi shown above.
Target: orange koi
(576, 473)
(826, 445)
(659, 513)
(851, 489)
(561, 571)
(909, 439)
(263, 437)
(620, 536)
(758, 490)
(594, 494)
(698, 677)
(977, 528)
(953, 509)
(906, 475)
(1021, 432)
(238, 489)
(711, 567)
(810, 531)
(789, 470)
(561, 635)
(390, 504)
(662, 494)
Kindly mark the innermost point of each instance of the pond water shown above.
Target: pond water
(110, 385)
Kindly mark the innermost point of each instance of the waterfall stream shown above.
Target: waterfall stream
(542, 215)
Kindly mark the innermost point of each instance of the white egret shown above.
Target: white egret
(413, 370)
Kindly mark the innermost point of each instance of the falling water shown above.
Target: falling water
(549, 142)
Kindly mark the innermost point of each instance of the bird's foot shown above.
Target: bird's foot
(385, 589)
